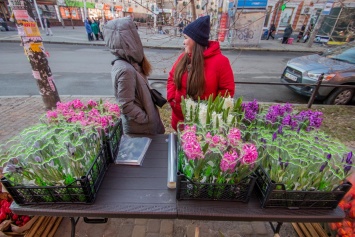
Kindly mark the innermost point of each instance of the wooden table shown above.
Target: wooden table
(141, 192)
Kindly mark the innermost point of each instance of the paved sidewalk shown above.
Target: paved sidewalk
(78, 35)
(18, 113)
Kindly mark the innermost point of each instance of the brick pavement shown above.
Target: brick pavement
(18, 113)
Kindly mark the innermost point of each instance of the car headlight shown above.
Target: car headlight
(315, 76)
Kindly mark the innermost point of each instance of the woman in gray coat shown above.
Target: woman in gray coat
(287, 34)
(129, 76)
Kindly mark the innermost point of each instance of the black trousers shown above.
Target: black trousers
(270, 35)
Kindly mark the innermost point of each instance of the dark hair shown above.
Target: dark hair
(196, 73)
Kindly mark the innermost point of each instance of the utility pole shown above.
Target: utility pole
(33, 46)
(326, 11)
(193, 10)
(315, 30)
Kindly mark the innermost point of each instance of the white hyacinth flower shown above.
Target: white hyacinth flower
(190, 108)
(228, 103)
(216, 117)
(203, 114)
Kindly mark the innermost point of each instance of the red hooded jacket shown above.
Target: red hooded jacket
(218, 77)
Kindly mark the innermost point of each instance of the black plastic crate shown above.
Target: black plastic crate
(113, 141)
(81, 191)
(186, 189)
(273, 194)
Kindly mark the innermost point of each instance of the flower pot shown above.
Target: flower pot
(275, 195)
(186, 189)
(82, 191)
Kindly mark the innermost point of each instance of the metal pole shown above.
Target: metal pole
(85, 13)
(39, 15)
(319, 82)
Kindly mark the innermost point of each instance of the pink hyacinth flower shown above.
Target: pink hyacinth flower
(234, 136)
(52, 114)
(229, 161)
(92, 103)
(250, 154)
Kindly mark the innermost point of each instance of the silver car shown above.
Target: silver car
(338, 66)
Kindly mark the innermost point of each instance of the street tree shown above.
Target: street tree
(33, 46)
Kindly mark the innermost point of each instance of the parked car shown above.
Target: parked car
(338, 66)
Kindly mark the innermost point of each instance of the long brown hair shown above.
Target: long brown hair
(196, 74)
(146, 66)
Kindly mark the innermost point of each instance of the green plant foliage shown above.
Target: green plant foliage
(292, 149)
(47, 155)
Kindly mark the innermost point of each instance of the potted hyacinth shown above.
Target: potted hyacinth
(101, 115)
(213, 154)
(294, 154)
(52, 161)
(298, 158)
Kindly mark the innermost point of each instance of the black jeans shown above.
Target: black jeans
(270, 35)
(284, 40)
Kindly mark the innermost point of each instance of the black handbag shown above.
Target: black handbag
(157, 98)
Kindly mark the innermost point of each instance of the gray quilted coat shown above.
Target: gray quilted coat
(139, 114)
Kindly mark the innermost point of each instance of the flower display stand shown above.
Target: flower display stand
(273, 194)
(83, 190)
(186, 189)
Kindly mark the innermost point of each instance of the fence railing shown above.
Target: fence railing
(316, 86)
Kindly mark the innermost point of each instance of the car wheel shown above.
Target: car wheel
(340, 96)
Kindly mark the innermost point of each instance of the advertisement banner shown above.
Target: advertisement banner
(223, 27)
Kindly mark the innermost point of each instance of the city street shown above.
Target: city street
(85, 70)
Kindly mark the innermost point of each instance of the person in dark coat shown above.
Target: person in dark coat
(287, 34)
(129, 75)
(301, 33)
(47, 26)
(271, 31)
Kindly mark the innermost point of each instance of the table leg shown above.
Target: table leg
(73, 224)
(278, 227)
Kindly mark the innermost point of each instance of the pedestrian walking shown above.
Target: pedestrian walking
(101, 28)
(129, 76)
(301, 33)
(95, 29)
(200, 71)
(271, 32)
(47, 26)
(88, 29)
(287, 34)
(4, 24)
(181, 27)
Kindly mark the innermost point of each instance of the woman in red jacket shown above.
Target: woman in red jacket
(200, 71)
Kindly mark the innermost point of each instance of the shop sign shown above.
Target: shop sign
(252, 4)
(118, 8)
(328, 7)
(223, 27)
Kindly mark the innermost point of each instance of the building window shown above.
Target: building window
(286, 17)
